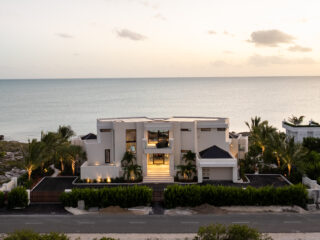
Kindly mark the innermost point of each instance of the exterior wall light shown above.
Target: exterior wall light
(108, 180)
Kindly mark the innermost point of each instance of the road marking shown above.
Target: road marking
(292, 222)
(189, 222)
(29, 223)
(137, 222)
(241, 222)
(85, 222)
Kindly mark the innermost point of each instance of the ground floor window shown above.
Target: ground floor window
(107, 155)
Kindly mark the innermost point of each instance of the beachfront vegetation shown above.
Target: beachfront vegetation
(271, 151)
(109, 196)
(195, 195)
(189, 169)
(131, 170)
(231, 232)
(18, 198)
(53, 148)
(31, 235)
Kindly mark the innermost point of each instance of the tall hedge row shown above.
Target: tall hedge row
(108, 196)
(194, 195)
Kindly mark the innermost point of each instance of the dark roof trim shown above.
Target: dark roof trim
(89, 136)
(214, 152)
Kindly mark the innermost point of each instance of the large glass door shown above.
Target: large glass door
(158, 159)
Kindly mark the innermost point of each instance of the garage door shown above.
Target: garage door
(222, 173)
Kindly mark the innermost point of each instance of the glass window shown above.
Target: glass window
(131, 144)
(158, 137)
(107, 155)
(205, 129)
(221, 129)
(185, 130)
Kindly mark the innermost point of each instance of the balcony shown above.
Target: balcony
(157, 147)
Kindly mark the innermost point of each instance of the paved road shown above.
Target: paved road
(271, 222)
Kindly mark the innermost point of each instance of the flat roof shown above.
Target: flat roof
(170, 119)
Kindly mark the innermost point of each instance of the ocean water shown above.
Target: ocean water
(29, 106)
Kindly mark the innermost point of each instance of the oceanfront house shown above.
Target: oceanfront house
(301, 131)
(159, 145)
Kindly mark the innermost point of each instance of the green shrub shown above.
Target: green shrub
(109, 196)
(23, 235)
(1, 199)
(232, 232)
(31, 235)
(194, 195)
(54, 236)
(18, 197)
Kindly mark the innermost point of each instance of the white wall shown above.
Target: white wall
(207, 139)
(95, 172)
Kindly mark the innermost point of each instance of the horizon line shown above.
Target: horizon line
(96, 78)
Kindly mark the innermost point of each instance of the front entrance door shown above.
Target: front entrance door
(158, 159)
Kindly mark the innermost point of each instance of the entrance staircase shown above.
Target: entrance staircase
(158, 174)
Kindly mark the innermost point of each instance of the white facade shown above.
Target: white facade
(159, 145)
(300, 132)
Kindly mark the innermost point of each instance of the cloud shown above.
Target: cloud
(125, 33)
(160, 16)
(64, 35)
(270, 38)
(297, 48)
(211, 32)
(259, 60)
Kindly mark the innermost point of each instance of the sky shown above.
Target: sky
(150, 38)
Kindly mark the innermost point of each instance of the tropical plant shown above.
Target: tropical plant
(131, 170)
(31, 235)
(73, 154)
(62, 155)
(33, 156)
(189, 157)
(255, 122)
(292, 154)
(296, 120)
(65, 133)
(187, 170)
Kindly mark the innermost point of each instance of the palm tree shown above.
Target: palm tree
(65, 132)
(130, 169)
(255, 122)
(128, 158)
(189, 157)
(73, 153)
(296, 120)
(33, 156)
(62, 155)
(292, 154)
(186, 170)
(277, 142)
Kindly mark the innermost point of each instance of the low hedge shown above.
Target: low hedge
(18, 197)
(194, 195)
(1, 199)
(109, 196)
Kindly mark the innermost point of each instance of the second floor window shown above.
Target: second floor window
(131, 142)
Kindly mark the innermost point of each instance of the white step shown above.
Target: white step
(158, 179)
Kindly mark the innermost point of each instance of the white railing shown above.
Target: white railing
(146, 146)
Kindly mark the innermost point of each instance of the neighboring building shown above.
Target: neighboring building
(238, 145)
(159, 145)
(301, 131)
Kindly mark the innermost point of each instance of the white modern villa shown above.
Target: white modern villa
(159, 145)
(301, 131)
